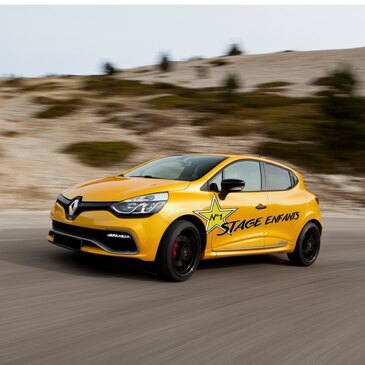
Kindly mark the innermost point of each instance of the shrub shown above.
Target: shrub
(231, 84)
(44, 100)
(109, 69)
(59, 108)
(344, 130)
(226, 128)
(100, 154)
(110, 86)
(341, 81)
(203, 121)
(201, 71)
(109, 108)
(172, 101)
(291, 128)
(45, 86)
(338, 99)
(218, 62)
(10, 134)
(273, 84)
(342, 138)
(344, 107)
(263, 100)
(13, 82)
(234, 50)
(165, 63)
(114, 120)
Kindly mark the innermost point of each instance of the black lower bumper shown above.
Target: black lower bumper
(75, 237)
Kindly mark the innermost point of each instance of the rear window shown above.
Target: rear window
(277, 178)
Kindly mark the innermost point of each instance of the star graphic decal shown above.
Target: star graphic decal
(215, 216)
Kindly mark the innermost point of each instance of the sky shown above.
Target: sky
(41, 40)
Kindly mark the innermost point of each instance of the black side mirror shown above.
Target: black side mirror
(229, 185)
(214, 187)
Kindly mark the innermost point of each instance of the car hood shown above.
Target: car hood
(117, 188)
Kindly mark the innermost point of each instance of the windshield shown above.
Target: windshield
(184, 168)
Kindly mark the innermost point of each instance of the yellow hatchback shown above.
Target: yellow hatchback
(178, 210)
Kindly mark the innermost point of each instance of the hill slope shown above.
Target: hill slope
(41, 117)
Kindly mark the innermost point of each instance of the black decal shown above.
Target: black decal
(279, 218)
(258, 222)
(225, 226)
(268, 219)
(241, 225)
(250, 223)
(214, 216)
(233, 225)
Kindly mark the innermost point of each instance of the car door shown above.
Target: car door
(243, 213)
(285, 206)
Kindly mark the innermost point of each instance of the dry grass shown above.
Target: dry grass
(218, 62)
(58, 108)
(10, 134)
(100, 153)
(142, 123)
(227, 128)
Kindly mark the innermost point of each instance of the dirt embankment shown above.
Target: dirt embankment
(35, 127)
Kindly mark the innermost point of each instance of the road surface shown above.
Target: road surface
(59, 308)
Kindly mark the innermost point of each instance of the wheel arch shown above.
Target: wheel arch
(197, 223)
(316, 222)
(311, 220)
(200, 227)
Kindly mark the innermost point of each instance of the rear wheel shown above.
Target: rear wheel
(307, 247)
(179, 251)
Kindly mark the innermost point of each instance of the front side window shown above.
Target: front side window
(184, 168)
(248, 171)
(277, 178)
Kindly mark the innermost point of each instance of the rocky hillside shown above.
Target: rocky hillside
(56, 131)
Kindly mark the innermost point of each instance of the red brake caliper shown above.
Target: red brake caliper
(174, 249)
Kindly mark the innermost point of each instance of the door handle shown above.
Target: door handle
(260, 206)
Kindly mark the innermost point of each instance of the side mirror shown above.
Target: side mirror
(230, 185)
(214, 187)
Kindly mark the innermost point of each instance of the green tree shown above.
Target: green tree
(231, 84)
(165, 63)
(234, 50)
(340, 82)
(343, 132)
(338, 95)
(109, 69)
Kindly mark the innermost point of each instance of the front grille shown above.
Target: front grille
(67, 241)
(93, 206)
(82, 206)
(114, 243)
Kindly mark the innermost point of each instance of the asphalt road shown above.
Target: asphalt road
(59, 308)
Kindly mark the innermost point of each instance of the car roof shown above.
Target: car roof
(233, 157)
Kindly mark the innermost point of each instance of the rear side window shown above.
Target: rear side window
(277, 178)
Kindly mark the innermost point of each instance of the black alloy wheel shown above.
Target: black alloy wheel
(179, 251)
(307, 247)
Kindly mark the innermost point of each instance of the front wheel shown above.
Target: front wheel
(307, 247)
(179, 251)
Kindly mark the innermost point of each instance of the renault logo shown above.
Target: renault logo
(73, 206)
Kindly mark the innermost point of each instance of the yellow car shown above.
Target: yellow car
(178, 210)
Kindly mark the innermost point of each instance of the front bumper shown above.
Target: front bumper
(101, 232)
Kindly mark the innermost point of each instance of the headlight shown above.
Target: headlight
(144, 204)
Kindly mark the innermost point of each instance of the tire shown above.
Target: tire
(307, 247)
(179, 251)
